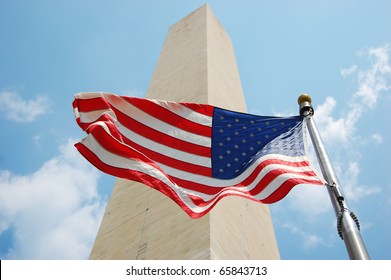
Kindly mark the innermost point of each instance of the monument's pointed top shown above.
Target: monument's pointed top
(197, 64)
(203, 11)
(203, 7)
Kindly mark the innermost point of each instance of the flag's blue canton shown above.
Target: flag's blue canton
(239, 139)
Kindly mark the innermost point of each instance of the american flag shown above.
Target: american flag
(195, 154)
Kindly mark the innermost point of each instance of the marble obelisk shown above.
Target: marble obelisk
(196, 64)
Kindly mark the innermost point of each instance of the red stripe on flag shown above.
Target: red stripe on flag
(91, 104)
(204, 109)
(286, 187)
(169, 117)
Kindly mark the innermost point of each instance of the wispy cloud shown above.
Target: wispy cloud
(17, 109)
(53, 213)
(333, 129)
(350, 180)
(309, 240)
(371, 82)
(340, 130)
(377, 138)
(375, 79)
(346, 72)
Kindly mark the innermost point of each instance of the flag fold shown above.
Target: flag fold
(195, 154)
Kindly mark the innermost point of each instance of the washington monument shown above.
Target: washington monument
(196, 64)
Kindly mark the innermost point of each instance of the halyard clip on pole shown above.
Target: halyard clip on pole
(347, 224)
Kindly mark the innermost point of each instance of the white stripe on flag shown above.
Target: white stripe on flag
(184, 112)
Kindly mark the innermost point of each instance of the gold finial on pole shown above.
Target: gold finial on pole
(304, 98)
(304, 102)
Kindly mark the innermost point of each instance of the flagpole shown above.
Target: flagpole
(347, 222)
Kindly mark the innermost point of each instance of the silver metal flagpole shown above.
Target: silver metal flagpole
(347, 223)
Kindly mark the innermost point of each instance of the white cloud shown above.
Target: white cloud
(349, 180)
(53, 213)
(348, 71)
(332, 129)
(375, 79)
(20, 110)
(377, 138)
(37, 140)
(371, 82)
(310, 240)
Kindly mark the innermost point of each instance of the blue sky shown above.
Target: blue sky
(52, 200)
